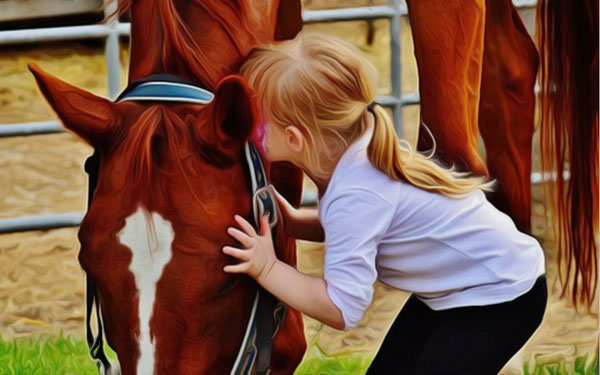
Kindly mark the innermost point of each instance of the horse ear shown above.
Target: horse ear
(87, 115)
(289, 19)
(234, 113)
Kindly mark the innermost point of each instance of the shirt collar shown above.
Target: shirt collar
(356, 151)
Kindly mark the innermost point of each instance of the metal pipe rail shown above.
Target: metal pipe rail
(31, 128)
(112, 30)
(41, 222)
(49, 127)
(350, 14)
(124, 29)
(73, 219)
(57, 34)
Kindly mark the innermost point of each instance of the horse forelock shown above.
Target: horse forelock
(156, 135)
(161, 135)
(139, 149)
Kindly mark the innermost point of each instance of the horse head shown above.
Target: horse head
(172, 175)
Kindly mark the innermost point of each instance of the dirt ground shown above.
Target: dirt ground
(41, 283)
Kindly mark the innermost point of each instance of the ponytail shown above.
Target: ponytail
(322, 84)
(397, 159)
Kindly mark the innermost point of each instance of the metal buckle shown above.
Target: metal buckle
(264, 201)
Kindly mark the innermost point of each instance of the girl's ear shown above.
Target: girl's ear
(294, 138)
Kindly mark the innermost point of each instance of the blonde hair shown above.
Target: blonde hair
(323, 85)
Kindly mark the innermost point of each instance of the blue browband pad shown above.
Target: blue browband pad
(168, 91)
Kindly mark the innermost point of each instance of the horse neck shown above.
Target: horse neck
(201, 41)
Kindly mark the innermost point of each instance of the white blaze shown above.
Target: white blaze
(149, 237)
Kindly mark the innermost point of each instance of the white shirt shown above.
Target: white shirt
(449, 252)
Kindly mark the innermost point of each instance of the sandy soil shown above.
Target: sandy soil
(42, 285)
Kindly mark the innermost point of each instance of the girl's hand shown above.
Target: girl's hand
(258, 258)
(308, 294)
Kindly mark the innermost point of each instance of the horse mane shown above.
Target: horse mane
(568, 43)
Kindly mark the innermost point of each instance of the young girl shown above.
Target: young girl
(386, 213)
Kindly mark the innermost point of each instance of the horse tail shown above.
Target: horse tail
(568, 43)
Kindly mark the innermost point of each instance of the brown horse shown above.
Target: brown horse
(172, 175)
(477, 70)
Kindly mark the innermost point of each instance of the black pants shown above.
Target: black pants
(477, 340)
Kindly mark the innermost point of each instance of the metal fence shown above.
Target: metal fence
(112, 30)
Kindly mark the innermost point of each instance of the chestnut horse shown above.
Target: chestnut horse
(172, 175)
(477, 70)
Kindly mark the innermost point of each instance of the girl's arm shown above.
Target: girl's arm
(300, 223)
(306, 225)
(305, 293)
(355, 220)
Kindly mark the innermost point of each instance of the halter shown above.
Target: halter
(267, 313)
(165, 88)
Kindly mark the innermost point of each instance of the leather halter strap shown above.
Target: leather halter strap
(96, 341)
(267, 313)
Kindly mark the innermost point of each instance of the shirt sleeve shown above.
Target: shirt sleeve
(354, 221)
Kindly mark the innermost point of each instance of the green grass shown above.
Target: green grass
(52, 355)
(60, 355)
(581, 366)
(341, 365)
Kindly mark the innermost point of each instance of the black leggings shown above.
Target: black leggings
(477, 340)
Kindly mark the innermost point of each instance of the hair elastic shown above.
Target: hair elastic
(371, 106)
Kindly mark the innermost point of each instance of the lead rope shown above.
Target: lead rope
(96, 342)
(254, 356)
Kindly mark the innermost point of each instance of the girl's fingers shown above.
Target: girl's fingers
(238, 268)
(240, 236)
(236, 253)
(245, 225)
(280, 199)
(264, 225)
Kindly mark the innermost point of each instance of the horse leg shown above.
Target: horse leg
(448, 38)
(506, 111)
(287, 179)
